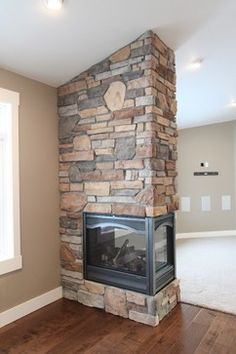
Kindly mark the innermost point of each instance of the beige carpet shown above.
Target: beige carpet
(206, 268)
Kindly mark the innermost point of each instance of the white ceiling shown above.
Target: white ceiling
(53, 48)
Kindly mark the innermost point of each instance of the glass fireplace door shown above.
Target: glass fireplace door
(163, 251)
(120, 249)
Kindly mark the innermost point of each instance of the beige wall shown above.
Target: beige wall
(215, 144)
(39, 193)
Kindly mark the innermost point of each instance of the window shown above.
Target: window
(10, 257)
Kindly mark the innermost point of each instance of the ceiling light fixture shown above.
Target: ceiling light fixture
(196, 64)
(55, 5)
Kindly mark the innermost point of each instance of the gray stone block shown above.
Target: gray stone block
(66, 126)
(134, 93)
(90, 103)
(145, 50)
(68, 111)
(125, 148)
(75, 174)
(97, 91)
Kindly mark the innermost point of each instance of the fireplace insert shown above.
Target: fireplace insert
(130, 252)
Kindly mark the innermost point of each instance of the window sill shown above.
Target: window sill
(10, 265)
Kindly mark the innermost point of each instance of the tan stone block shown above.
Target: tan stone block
(163, 121)
(163, 60)
(157, 180)
(64, 180)
(98, 208)
(142, 82)
(115, 96)
(144, 318)
(129, 112)
(105, 151)
(66, 253)
(136, 44)
(115, 302)
(128, 209)
(64, 187)
(163, 136)
(76, 187)
(82, 143)
(168, 181)
(140, 127)
(72, 87)
(124, 128)
(73, 201)
(153, 109)
(82, 128)
(91, 112)
(136, 298)
(99, 125)
(146, 196)
(150, 91)
(152, 126)
(127, 121)
(170, 190)
(99, 136)
(129, 103)
(146, 151)
(156, 211)
(160, 189)
(129, 164)
(76, 266)
(127, 185)
(170, 165)
(93, 84)
(100, 131)
(172, 140)
(120, 55)
(65, 146)
(104, 165)
(78, 156)
(162, 102)
(109, 175)
(99, 188)
(103, 117)
(94, 288)
(146, 134)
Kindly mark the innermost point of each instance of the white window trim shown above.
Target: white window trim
(14, 263)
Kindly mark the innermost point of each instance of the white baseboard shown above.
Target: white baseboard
(29, 306)
(224, 233)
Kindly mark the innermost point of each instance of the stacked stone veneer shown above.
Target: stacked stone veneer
(142, 308)
(117, 135)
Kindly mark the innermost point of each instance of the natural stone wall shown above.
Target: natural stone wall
(142, 308)
(117, 136)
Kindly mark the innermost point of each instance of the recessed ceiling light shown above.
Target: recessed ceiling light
(196, 64)
(53, 4)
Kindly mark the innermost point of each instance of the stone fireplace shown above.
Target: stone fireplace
(117, 136)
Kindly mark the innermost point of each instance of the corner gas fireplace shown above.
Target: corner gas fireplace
(129, 252)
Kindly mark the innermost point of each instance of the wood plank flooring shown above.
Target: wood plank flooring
(67, 327)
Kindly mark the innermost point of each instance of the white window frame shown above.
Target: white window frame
(13, 262)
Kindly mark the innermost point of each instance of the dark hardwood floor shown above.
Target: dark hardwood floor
(68, 327)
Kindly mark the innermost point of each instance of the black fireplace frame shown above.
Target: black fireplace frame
(153, 281)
